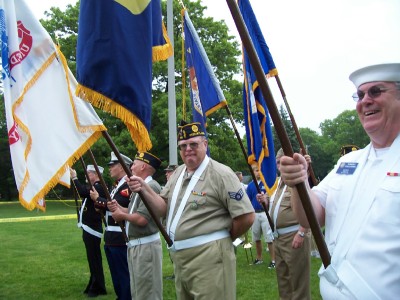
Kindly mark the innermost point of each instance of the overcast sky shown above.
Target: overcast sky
(315, 45)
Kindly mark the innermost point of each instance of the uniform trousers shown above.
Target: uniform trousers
(292, 267)
(96, 283)
(145, 268)
(206, 272)
(118, 264)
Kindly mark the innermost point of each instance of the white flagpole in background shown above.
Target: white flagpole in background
(172, 124)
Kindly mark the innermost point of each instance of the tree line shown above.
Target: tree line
(223, 51)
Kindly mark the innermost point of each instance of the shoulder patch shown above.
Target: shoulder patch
(236, 195)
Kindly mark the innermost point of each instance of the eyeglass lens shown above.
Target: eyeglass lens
(373, 92)
(192, 146)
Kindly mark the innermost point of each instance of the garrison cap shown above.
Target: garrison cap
(347, 149)
(149, 159)
(190, 130)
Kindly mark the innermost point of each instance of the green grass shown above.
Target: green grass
(46, 259)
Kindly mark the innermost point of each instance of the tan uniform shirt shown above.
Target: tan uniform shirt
(286, 216)
(216, 199)
(134, 231)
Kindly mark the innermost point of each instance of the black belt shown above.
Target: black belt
(259, 210)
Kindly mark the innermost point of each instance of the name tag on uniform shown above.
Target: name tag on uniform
(347, 168)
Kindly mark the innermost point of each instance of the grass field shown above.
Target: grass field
(45, 259)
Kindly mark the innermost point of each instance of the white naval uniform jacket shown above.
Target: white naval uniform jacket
(362, 219)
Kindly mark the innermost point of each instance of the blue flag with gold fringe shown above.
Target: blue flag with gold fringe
(260, 142)
(205, 92)
(117, 43)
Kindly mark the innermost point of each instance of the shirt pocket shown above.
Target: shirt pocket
(386, 206)
(196, 202)
(333, 196)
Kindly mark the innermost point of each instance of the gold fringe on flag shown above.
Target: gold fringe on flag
(56, 178)
(136, 128)
(72, 159)
(162, 52)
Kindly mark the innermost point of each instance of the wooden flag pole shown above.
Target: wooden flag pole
(279, 127)
(296, 129)
(76, 200)
(91, 186)
(108, 196)
(253, 176)
(129, 173)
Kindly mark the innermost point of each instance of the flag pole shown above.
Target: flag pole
(253, 176)
(279, 127)
(172, 135)
(76, 201)
(129, 174)
(296, 129)
(108, 196)
(199, 46)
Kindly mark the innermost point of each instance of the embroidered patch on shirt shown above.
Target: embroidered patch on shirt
(236, 195)
(347, 168)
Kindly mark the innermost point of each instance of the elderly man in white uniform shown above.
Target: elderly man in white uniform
(359, 200)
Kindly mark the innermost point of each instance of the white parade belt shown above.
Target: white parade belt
(143, 240)
(286, 230)
(199, 240)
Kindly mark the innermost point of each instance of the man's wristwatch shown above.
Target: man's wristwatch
(301, 233)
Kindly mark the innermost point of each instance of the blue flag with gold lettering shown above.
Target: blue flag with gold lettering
(117, 43)
(260, 142)
(205, 92)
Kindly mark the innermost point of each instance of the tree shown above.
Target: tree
(7, 184)
(222, 51)
(223, 57)
(287, 123)
(345, 129)
(321, 163)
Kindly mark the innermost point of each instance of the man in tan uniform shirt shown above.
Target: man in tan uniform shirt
(206, 209)
(292, 245)
(144, 246)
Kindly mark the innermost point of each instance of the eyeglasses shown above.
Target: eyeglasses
(193, 146)
(373, 92)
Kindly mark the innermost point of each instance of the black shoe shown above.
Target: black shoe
(257, 262)
(92, 294)
(271, 265)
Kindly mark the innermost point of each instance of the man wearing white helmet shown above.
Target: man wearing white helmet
(92, 230)
(359, 200)
(114, 242)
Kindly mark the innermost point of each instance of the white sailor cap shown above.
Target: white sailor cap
(381, 72)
